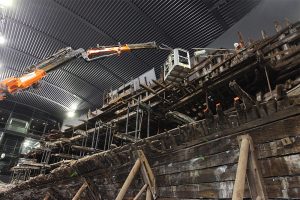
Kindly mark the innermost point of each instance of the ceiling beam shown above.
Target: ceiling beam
(95, 28)
(171, 41)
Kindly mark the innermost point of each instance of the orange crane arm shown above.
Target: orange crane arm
(37, 72)
(12, 84)
(106, 51)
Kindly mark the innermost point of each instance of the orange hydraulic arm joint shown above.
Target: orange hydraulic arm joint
(35, 73)
(107, 51)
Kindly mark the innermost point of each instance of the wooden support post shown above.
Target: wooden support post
(47, 196)
(140, 192)
(147, 173)
(239, 184)
(93, 189)
(50, 195)
(79, 192)
(148, 194)
(254, 177)
(129, 179)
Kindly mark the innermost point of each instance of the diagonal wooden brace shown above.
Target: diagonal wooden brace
(147, 175)
(248, 159)
(80, 191)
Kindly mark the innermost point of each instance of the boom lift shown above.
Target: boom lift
(37, 72)
(106, 51)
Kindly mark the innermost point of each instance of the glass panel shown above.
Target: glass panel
(18, 125)
(28, 145)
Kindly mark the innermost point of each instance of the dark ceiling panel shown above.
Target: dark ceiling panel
(36, 29)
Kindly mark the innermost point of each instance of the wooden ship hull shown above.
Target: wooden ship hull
(201, 158)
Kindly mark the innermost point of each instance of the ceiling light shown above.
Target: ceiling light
(71, 114)
(6, 3)
(2, 39)
(74, 106)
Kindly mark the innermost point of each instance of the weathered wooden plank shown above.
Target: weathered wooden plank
(221, 173)
(270, 132)
(99, 161)
(216, 173)
(278, 187)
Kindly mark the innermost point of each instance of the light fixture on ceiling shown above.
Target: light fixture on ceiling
(2, 39)
(71, 114)
(6, 3)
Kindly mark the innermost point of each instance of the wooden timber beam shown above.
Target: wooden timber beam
(140, 192)
(93, 189)
(80, 191)
(147, 175)
(57, 164)
(129, 179)
(148, 89)
(85, 149)
(124, 136)
(254, 177)
(50, 195)
(154, 93)
(66, 156)
(159, 84)
(47, 197)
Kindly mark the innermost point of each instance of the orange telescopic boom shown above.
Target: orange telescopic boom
(37, 72)
(106, 51)
(13, 84)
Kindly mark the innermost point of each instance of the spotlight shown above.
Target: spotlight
(71, 114)
(6, 3)
(2, 39)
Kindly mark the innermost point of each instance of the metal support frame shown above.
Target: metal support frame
(147, 175)
(248, 168)
(139, 115)
(45, 159)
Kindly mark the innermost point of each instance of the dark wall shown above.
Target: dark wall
(12, 135)
(262, 17)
